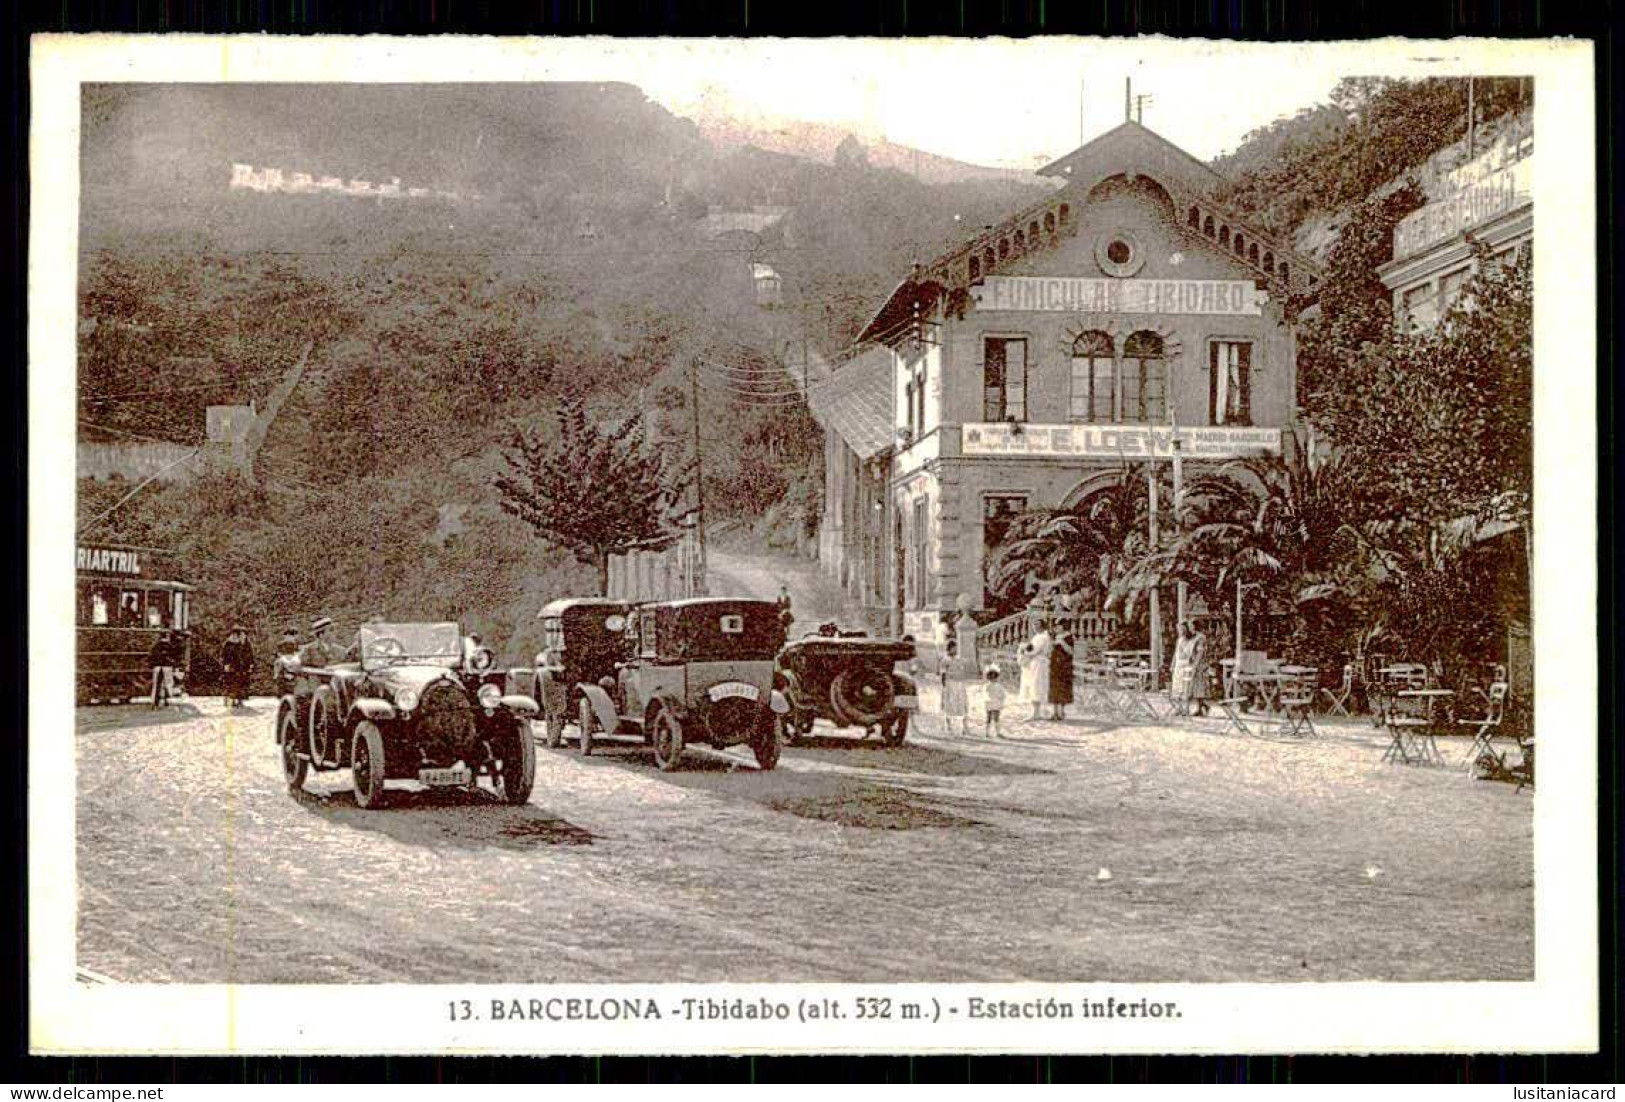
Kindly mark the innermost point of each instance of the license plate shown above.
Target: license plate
(907, 701)
(729, 690)
(445, 778)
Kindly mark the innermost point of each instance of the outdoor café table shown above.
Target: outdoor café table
(1413, 734)
(1099, 686)
(1134, 691)
(1126, 657)
(1267, 684)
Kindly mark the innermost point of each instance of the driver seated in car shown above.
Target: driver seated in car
(321, 650)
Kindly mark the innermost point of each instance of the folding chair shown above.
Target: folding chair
(1297, 700)
(1487, 726)
(1413, 739)
(1231, 707)
(1339, 696)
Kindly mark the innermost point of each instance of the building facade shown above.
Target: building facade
(1487, 200)
(1124, 316)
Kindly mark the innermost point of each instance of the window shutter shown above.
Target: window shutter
(1244, 403)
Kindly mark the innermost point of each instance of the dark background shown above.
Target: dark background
(1243, 19)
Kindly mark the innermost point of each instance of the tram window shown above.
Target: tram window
(129, 608)
(179, 620)
(157, 608)
(101, 605)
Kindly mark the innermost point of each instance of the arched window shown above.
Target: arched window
(1064, 212)
(1241, 245)
(1194, 220)
(1049, 223)
(1252, 253)
(1032, 234)
(1021, 241)
(1224, 235)
(1269, 263)
(1286, 276)
(1207, 226)
(1094, 378)
(988, 260)
(975, 269)
(1004, 247)
(1144, 379)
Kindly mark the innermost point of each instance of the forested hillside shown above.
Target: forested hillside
(576, 261)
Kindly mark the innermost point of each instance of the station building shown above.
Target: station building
(1126, 314)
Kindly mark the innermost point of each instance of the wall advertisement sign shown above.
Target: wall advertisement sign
(107, 560)
(1120, 296)
(1118, 441)
(1493, 195)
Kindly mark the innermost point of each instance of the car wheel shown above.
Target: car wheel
(896, 731)
(555, 731)
(668, 740)
(294, 767)
(766, 744)
(585, 717)
(367, 765)
(518, 754)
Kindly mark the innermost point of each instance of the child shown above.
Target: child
(954, 703)
(995, 702)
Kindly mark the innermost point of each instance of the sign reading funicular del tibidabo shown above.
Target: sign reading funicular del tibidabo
(1121, 296)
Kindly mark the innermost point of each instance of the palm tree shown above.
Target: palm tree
(1076, 550)
(1284, 524)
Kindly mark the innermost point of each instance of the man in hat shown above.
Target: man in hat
(321, 650)
(236, 664)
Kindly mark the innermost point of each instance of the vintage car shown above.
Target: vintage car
(701, 671)
(584, 641)
(851, 681)
(414, 704)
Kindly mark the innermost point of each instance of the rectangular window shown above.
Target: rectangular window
(129, 608)
(1450, 285)
(646, 634)
(997, 512)
(1144, 388)
(1418, 309)
(1004, 379)
(1230, 383)
(157, 609)
(918, 578)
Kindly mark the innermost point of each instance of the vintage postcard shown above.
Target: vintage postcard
(656, 546)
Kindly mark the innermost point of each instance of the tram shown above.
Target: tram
(127, 599)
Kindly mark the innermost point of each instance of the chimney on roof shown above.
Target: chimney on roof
(1128, 98)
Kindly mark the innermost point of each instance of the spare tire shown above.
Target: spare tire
(861, 697)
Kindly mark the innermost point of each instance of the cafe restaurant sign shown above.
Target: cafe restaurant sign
(108, 560)
(1118, 441)
(1120, 296)
(1489, 197)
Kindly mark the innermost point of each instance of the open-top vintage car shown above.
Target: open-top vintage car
(701, 671)
(585, 642)
(849, 681)
(413, 705)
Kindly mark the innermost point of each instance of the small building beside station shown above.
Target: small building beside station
(1126, 314)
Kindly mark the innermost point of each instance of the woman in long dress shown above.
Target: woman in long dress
(1188, 685)
(1061, 672)
(1035, 669)
(955, 702)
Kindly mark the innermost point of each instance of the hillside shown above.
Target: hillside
(570, 256)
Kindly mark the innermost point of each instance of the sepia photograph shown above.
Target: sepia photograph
(711, 514)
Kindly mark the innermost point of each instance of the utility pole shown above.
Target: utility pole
(699, 456)
(1156, 604)
(1470, 119)
(1082, 127)
(1179, 511)
(1139, 106)
(1128, 99)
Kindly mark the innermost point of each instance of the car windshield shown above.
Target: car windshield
(419, 644)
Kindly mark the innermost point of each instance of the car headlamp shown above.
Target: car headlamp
(483, 659)
(406, 699)
(489, 695)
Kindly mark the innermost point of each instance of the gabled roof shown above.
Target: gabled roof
(1128, 149)
(1128, 134)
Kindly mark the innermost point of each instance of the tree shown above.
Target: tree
(594, 490)
(1078, 550)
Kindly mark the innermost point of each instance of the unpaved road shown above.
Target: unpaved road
(946, 859)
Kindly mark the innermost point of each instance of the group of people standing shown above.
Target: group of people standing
(1047, 665)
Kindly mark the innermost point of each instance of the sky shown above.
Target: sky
(993, 102)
